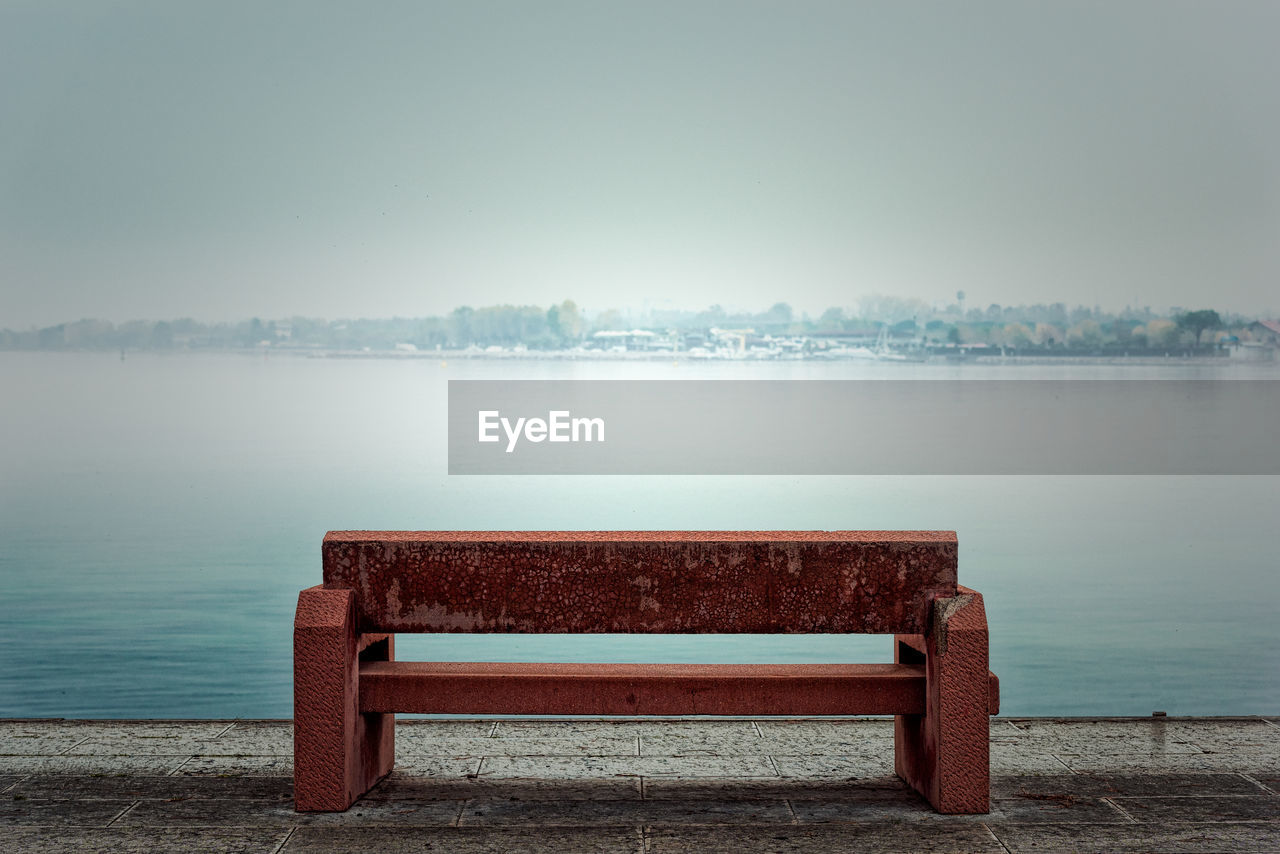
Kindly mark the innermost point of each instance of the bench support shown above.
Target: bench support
(944, 754)
(339, 753)
(347, 688)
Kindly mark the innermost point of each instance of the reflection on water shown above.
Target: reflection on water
(159, 515)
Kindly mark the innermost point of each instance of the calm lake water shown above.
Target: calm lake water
(159, 515)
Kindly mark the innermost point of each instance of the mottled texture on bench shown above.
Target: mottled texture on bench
(347, 685)
(721, 582)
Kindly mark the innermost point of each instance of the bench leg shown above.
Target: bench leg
(338, 753)
(944, 754)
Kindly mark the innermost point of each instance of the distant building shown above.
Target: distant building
(635, 339)
(1266, 332)
(1265, 335)
(732, 340)
(1248, 351)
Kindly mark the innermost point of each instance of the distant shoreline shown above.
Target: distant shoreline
(560, 356)
(603, 356)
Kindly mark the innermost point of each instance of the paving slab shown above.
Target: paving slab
(1156, 737)
(1101, 748)
(1106, 740)
(149, 840)
(625, 813)
(408, 727)
(1149, 728)
(400, 786)
(712, 744)
(548, 767)
(889, 838)
(136, 739)
(237, 766)
(108, 749)
(1201, 763)
(268, 789)
(1118, 785)
(694, 788)
(21, 810)
(465, 840)
(896, 806)
(795, 744)
(999, 725)
(96, 726)
(80, 765)
(1020, 759)
(620, 729)
(37, 742)
(1270, 780)
(251, 740)
(216, 812)
(588, 746)
(843, 767)
(1257, 736)
(1189, 838)
(439, 767)
(141, 731)
(819, 728)
(908, 806)
(1259, 807)
(1073, 809)
(836, 728)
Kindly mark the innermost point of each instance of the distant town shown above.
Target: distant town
(879, 328)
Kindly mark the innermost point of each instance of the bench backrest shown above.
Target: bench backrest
(698, 582)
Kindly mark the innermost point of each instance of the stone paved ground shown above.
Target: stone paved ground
(657, 786)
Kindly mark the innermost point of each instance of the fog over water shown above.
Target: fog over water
(160, 514)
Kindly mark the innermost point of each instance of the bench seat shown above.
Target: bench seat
(507, 688)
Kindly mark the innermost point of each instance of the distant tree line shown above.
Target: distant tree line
(560, 326)
(565, 325)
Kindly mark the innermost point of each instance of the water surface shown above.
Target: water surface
(158, 516)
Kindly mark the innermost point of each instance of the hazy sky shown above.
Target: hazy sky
(223, 159)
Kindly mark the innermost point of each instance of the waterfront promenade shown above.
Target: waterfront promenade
(567, 786)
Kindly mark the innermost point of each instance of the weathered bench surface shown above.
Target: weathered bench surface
(642, 581)
(348, 687)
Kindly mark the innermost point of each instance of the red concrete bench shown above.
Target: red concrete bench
(347, 685)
